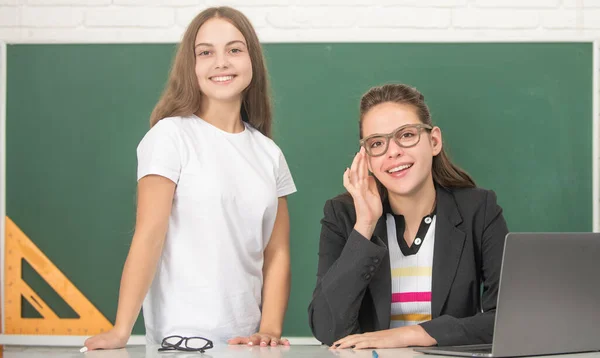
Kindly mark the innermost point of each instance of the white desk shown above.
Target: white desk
(226, 352)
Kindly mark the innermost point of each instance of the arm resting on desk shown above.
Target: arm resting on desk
(342, 278)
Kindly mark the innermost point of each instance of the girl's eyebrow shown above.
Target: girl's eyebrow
(385, 134)
(228, 44)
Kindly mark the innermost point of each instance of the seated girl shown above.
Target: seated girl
(411, 254)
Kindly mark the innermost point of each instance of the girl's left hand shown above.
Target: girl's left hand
(389, 338)
(260, 339)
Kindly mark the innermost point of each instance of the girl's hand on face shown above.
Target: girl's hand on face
(363, 189)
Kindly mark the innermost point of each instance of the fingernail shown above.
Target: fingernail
(263, 343)
(250, 343)
(83, 350)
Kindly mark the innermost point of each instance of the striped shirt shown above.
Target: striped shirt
(411, 271)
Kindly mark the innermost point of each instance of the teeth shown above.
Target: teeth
(397, 169)
(222, 78)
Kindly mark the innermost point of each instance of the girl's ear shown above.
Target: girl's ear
(436, 140)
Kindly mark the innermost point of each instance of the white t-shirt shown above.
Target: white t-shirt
(209, 277)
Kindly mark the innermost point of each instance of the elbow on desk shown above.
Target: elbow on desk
(322, 325)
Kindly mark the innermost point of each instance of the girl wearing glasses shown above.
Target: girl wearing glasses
(210, 252)
(410, 255)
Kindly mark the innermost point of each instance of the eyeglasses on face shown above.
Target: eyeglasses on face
(186, 344)
(405, 136)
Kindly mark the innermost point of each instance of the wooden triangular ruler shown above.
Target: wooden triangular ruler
(17, 247)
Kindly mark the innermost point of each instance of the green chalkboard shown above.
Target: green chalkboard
(517, 116)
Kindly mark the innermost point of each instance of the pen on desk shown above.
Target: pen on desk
(375, 355)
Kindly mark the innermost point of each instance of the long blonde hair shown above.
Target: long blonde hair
(444, 172)
(182, 96)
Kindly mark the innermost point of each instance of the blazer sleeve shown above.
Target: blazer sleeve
(347, 263)
(448, 330)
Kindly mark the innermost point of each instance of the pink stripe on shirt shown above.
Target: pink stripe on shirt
(411, 297)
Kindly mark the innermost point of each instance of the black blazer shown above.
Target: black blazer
(353, 291)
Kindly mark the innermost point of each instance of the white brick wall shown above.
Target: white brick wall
(130, 16)
(405, 17)
(499, 18)
(52, 17)
(305, 20)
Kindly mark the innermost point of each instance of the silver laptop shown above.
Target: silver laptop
(548, 299)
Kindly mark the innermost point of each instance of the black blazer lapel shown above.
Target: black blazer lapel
(381, 285)
(448, 247)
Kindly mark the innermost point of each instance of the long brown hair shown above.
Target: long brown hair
(445, 173)
(182, 96)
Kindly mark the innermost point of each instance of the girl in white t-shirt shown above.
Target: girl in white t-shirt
(210, 254)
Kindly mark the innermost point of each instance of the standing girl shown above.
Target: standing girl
(210, 253)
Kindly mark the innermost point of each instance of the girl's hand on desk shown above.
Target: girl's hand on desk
(112, 339)
(390, 338)
(260, 339)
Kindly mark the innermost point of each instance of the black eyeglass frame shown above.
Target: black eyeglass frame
(181, 345)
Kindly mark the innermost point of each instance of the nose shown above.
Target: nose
(221, 60)
(394, 150)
